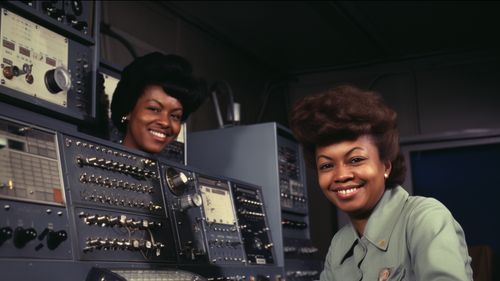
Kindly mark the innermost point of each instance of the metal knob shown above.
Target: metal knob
(190, 200)
(57, 80)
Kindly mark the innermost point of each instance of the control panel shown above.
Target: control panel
(93, 209)
(252, 220)
(76, 15)
(34, 218)
(79, 207)
(221, 225)
(204, 217)
(266, 155)
(118, 202)
(48, 57)
(293, 194)
(292, 190)
(100, 274)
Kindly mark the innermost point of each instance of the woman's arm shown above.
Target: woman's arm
(436, 243)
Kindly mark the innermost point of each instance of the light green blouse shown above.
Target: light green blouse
(406, 238)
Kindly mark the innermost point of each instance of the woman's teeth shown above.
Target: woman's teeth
(347, 191)
(158, 134)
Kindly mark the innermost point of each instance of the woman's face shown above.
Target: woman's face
(351, 175)
(154, 121)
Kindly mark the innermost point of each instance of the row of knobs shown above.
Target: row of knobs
(219, 259)
(293, 224)
(56, 80)
(248, 201)
(151, 206)
(221, 243)
(120, 221)
(114, 183)
(300, 250)
(147, 162)
(244, 228)
(228, 278)
(21, 236)
(300, 199)
(10, 72)
(250, 213)
(116, 166)
(59, 14)
(121, 244)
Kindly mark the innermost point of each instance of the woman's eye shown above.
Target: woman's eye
(325, 166)
(356, 160)
(154, 109)
(176, 117)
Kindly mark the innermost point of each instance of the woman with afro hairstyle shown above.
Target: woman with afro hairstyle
(351, 138)
(156, 93)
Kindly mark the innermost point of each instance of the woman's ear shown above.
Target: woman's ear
(387, 168)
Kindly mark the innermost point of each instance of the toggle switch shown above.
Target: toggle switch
(22, 236)
(54, 238)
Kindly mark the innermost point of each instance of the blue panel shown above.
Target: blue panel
(465, 179)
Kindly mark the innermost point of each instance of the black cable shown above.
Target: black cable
(106, 29)
(227, 101)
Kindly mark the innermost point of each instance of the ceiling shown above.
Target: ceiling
(296, 37)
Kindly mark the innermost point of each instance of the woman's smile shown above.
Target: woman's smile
(347, 192)
(159, 135)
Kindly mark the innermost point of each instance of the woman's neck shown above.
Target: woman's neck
(359, 225)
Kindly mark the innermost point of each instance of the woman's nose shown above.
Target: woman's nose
(343, 174)
(164, 120)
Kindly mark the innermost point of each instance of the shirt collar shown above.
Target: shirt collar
(346, 243)
(380, 224)
(382, 221)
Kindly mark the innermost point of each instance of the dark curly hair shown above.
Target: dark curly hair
(172, 72)
(346, 113)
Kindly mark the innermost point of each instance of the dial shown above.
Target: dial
(57, 80)
(197, 200)
(177, 181)
(190, 200)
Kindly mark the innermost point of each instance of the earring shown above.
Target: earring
(386, 175)
(124, 119)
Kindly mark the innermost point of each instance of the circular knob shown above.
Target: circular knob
(257, 243)
(54, 238)
(8, 72)
(176, 181)
(29, 78)
(5, 234)
(23, 236)
(191, 200)
(57, 80)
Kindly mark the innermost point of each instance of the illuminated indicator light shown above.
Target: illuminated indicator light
(11, 184)
(58, 197)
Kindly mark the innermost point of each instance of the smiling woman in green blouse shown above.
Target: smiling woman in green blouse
(351, 138)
